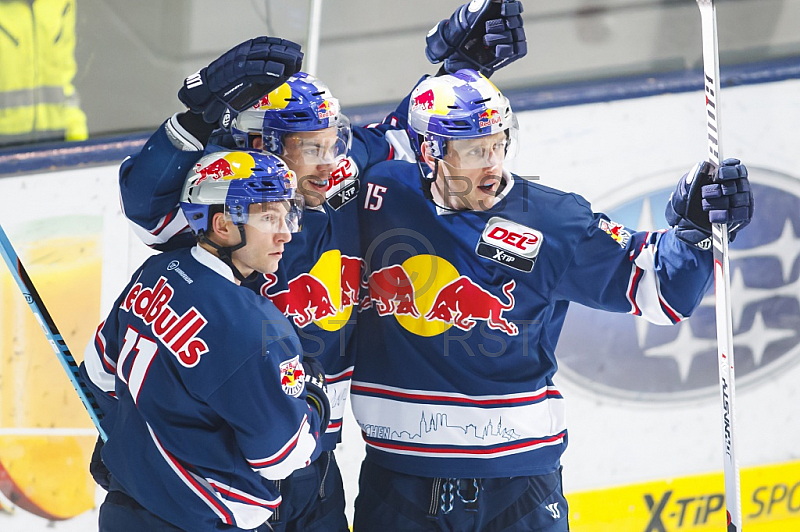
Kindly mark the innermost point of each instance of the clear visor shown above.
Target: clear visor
(320, 147)
(285, 216)
(482, 152)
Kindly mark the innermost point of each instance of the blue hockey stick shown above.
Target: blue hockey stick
(50, 330)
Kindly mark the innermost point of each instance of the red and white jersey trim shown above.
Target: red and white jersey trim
(94, 363)
(452, 425)
(198, 486)
(249, 510)
(295, 454)
(167, 227)
(338, 392)
(644, 291)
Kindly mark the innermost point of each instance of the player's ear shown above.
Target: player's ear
(222, 228)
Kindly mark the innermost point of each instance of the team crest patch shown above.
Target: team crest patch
(292, 377)
(509, 243)
(616, 231)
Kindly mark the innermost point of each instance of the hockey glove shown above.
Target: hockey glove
(239, 78)
(483, 35)
(316, 390)
(97, 468)
(702, 198)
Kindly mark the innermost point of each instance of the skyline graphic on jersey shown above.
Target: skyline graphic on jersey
(438, 421)
(635, 359)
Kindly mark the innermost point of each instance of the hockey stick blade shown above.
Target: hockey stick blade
(50, 330)
(722, 283)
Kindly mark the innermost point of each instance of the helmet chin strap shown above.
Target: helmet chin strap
(224, 253)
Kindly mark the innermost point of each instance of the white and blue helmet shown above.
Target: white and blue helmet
(464, 105)
(231, 181)
(301, 104)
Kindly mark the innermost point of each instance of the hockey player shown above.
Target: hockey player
(318, 281)
(206, 397)
(471, 271)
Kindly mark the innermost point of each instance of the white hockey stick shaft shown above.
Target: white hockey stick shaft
(722, 282)
(44, 319)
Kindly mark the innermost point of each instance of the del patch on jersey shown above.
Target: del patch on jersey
(510, 244)
(342, 184)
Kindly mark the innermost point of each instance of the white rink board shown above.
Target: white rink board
(600, 151)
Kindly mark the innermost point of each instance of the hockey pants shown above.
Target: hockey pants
(388, 500)
(313, 501)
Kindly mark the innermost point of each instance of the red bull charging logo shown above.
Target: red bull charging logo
(489, 118)
(462, 302)
(233, 165)
(423, 100)
(263, 102)
(305, 300)
(426, 290)
(326, 109)
(324, 296)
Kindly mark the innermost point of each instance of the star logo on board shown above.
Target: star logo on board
(645, 361)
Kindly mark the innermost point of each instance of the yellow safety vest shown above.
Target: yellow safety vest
(37, 64)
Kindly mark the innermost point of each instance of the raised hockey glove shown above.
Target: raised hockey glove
(483, 35)
(239, 78)
(97, 468)
(316, 390)
(702, 198)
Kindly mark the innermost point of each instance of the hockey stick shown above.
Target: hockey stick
(50, 330)
(722, 280)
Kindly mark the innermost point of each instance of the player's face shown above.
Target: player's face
(471, 173)
(267, 231)
(313, 156)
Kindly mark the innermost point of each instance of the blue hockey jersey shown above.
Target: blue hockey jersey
(317, 282)
(456, 348)
(200, 381)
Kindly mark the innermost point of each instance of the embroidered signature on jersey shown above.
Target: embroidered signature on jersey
(617, 231)
(292, 377)
(177, 333)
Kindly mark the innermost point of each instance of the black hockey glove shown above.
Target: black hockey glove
(483, 35)
(316, 390)
(702, 198)
(97, 468)
(239, 78)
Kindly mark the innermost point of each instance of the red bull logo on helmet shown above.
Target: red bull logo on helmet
(292, 377)
(423, 100)
(232, 165)
(277, 99)
(263, 102)
(616, 231)
(489, 117)
(326, 109)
